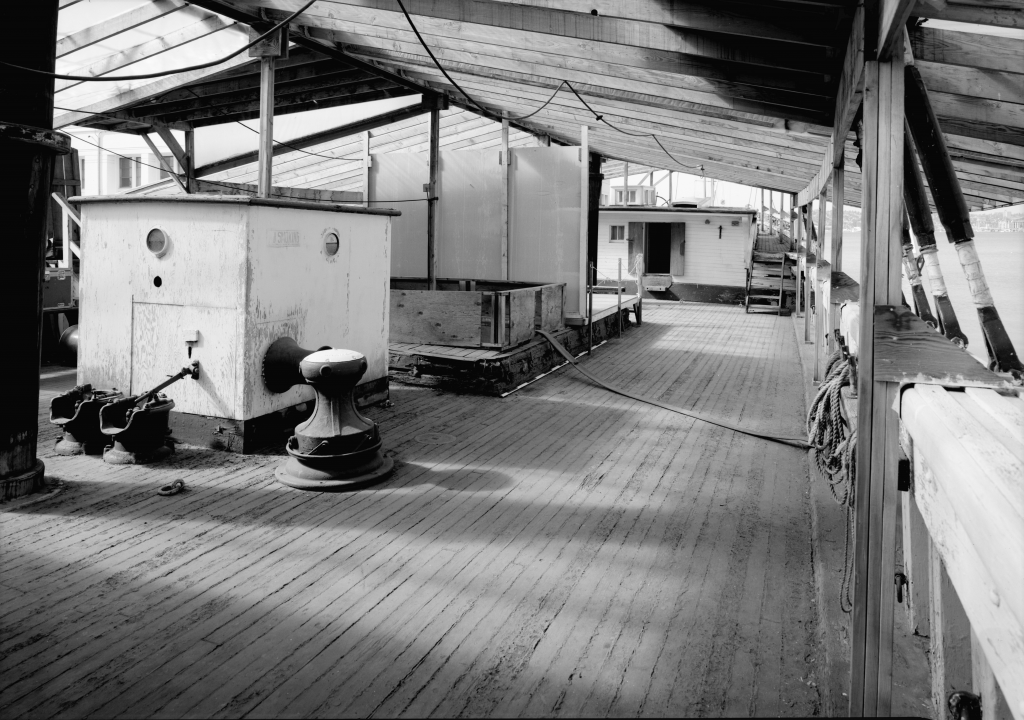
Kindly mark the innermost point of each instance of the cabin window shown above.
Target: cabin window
(618, 233)
(632, 196)
(650, 196)
(129, 174)
(163, 172)
(618, 197)
(604, 199)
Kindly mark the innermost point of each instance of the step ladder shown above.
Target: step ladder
(768, 280)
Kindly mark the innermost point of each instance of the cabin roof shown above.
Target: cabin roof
(736, 90)
(628, 209)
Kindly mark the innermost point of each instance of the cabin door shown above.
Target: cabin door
(635, 238)
(678, 249)
(659, 249)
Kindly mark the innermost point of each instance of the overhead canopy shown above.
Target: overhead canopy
(737, 90)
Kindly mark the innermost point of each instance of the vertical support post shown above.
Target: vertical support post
(801, 249)
(590, 310)
(792, 219)
(822, 214)
(625, 183)
(28, 156)
(835, 255)
(810, 257)
(670, 195)
(367, 164)
(950, 638)
(584, 158)
(506, 162)
(432, 193)
(877, 425)
(760, 214)
(618, 298)
(594, 180)
(65, 231)
(266, 158)
(191, 183)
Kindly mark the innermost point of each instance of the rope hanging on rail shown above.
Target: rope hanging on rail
(834, 448)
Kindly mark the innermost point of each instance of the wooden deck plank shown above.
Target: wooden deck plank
(570, 552)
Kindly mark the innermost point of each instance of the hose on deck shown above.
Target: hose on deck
(800, 443)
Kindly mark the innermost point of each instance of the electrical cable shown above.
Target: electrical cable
(566, 83)
(164, 73)
(799, 443)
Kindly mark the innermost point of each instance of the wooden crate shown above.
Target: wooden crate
(470, 313)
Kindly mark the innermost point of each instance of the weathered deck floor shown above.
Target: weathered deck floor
(561, 551)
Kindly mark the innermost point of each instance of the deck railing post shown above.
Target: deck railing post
(432, 193)
(878, 425)
(618, 299)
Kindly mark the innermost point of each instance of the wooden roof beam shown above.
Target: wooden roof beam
(978, 14)
(300, 37)
(324, 136)
(318, 100)
(495, 94)
(183, 101)
(116, 25)
(478, 25)
(815, 98)
(892, 18)
(646, 93)
(747, 151)
(848, 101)
(951, 47)
(208, 25)
(748, 20)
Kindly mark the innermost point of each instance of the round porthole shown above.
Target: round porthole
(157, 242)
(331, 243)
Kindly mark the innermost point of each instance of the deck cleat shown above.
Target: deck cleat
(140, 434)
(77, 414)
(337, 448)
(138, 425)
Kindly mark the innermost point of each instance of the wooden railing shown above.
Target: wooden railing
(963, 541)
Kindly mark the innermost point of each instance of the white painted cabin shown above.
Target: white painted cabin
(703, 250)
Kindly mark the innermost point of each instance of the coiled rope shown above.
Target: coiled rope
(834, 447)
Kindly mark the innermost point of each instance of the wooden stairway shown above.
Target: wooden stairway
(768, 280)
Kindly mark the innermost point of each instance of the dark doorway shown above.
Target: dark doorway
(659, 248)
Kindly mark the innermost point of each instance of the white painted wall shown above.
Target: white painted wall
(231, 277)
(708, 259)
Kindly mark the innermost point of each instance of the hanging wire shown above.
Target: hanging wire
(488, 113)
(164, 73)
(566, 83)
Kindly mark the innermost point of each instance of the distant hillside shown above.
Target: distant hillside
(1005, 219)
